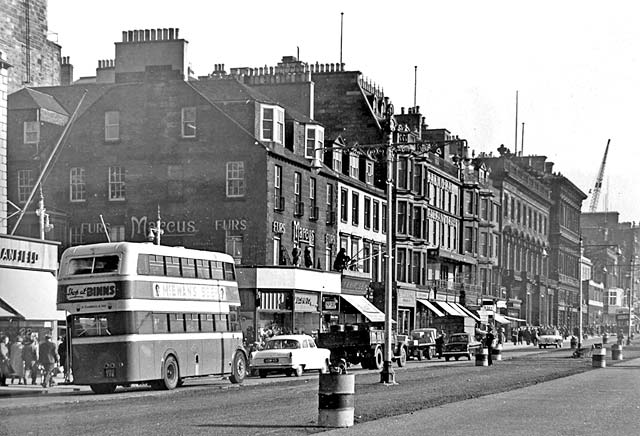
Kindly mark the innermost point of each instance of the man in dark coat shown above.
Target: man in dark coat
(488, 343)
(49, 359)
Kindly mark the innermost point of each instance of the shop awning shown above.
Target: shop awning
(501, 319)
(6, 314)
(449, 309)
(430, 306)
(31, 294)
(469, 313)
(365, 307)
(511, 318)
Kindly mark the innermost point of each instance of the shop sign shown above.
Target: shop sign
(406, 298)
(422, 295)
(28, 254)
(278, 227)
(232, 224)
(353, 285)
(330, 303)
(303, 234)
(141, 225)
(306, 302)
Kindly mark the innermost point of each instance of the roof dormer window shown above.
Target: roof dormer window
(314, 142)
(272, 124)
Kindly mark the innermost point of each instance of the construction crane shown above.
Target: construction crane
(595, 193)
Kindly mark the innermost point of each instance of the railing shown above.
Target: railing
(299, 208)
(280, 203)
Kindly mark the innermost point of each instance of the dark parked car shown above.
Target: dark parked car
(461, 345)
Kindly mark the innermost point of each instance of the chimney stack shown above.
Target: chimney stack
(66, 72)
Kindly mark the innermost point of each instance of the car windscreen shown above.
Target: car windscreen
(278, 344)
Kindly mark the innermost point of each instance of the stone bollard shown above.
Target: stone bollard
(599, 358)
(336, 400)
(482, 357)
(616, 352)
(497, 352)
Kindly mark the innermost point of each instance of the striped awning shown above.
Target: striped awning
(430, 306)
(467, 311)
(448, 308)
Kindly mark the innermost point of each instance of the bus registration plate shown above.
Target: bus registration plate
(275, 360)
(110, 372)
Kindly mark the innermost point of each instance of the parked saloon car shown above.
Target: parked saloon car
(460, 345)
(549, 337)
(291, 355)
(422, 343)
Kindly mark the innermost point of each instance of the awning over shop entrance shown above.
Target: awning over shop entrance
(6, 314)
(449, 309)
(31, 294)
(365, 307)
(430, 306)
(466, 311)
(511, 318)
(501, 319)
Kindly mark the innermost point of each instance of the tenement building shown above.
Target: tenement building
(526, 206)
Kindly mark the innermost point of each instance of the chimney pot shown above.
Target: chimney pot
(171, 33)
(165, 34)
(147, 35)
(124, 36)
(177, 30)
(152, 34)
(159, 34)
(130, 36)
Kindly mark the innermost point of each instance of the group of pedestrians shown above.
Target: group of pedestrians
(27, 359)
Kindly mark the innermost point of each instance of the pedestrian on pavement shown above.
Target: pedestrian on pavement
(440, 343)
(62, 352)
(5, 366)
(488, 343)
(30, 359)
(17, 365)
(520, 335)
(514, 336)
(49, 359)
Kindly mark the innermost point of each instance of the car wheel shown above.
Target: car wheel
(103, 388)
(262, 373)
(170, 373)
(238, 368)
(298, 371)
(457, 357)
(429, 353)
(402, 359)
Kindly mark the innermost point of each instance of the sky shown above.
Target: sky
(574, 64)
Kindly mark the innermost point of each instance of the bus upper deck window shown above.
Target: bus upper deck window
(106, 264)
(80, 266)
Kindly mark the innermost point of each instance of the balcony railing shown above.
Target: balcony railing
(279, 203)
(298, 208)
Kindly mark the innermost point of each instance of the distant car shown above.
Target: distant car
(291, 355)
(549, 337)
(422, 343)
(461, 345)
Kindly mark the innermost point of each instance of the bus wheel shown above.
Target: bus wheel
(238, 368)
(103, 388)
(171, 373)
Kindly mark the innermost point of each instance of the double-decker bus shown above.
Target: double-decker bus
(141, 313)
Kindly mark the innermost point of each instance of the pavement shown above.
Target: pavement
(599, 401)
